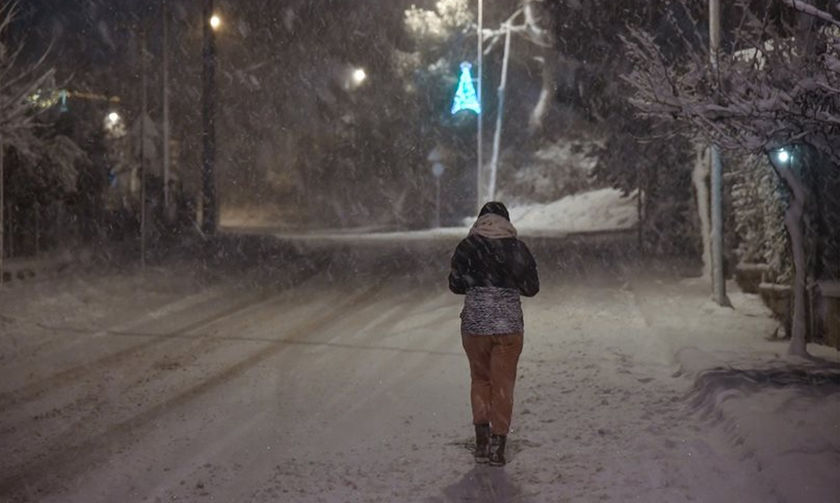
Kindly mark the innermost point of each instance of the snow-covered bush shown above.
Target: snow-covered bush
(758, 205)
(552, 172)
(661, 171)
(438, 24)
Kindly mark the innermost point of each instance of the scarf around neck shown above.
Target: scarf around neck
(493, 226)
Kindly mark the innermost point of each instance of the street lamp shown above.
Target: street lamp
(480, 117)
(208, 113)
(113, 125)
(359, 76)
(781, 158)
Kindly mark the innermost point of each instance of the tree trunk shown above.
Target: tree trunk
(699, 177)
(793, 223)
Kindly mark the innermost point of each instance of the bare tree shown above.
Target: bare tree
(46, 164)
(16, 87)
(778, 85)
(22, 88)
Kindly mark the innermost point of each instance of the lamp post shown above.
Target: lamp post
(165, 91)
(497, 136)
(211, 23)
(2, 218)
(480, 57)
(143, 115)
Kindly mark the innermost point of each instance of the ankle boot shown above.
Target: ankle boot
(497, 450)
(482, 443)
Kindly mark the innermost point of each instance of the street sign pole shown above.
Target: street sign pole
(437, 171)
(437, 203)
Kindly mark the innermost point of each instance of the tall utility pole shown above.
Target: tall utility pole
(145, 110)
(497, 136)
(718, 280)
(480, 49)
(166, 195)
(208, 179)
(2, 219)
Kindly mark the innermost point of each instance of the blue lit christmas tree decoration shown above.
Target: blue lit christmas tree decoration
(465, 96)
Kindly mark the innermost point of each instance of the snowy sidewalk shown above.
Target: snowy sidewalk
(780, 414)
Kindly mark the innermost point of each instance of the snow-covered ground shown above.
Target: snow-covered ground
(351, 385)
(596, 210)
(587, 212)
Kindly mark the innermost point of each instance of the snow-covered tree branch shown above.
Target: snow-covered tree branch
(764, 93)
(18, 84)
(811, 10)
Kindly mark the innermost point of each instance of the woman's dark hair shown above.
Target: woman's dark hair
(495, 208)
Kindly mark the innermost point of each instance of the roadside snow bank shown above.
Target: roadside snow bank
(592, 211)
(779, 413)
(597, 210)
(784, 417)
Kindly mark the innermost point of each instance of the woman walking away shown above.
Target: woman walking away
(492, 267)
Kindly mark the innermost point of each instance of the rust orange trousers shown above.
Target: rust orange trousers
(493, 360)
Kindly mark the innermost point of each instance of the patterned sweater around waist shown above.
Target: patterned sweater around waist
(490, 310)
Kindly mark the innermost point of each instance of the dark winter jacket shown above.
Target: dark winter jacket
(492, 267)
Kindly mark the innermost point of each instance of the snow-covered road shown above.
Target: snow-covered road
(351, 385)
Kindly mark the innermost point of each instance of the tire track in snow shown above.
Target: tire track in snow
(46, 342)
(69, 376)
(74, 374)
(73, 459)
(146, 372)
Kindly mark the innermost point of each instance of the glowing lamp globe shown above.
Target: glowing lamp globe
(359, 75)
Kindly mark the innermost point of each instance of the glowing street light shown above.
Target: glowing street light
(215, 21)
(359, 76)
(783, 156)
(114, 125)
